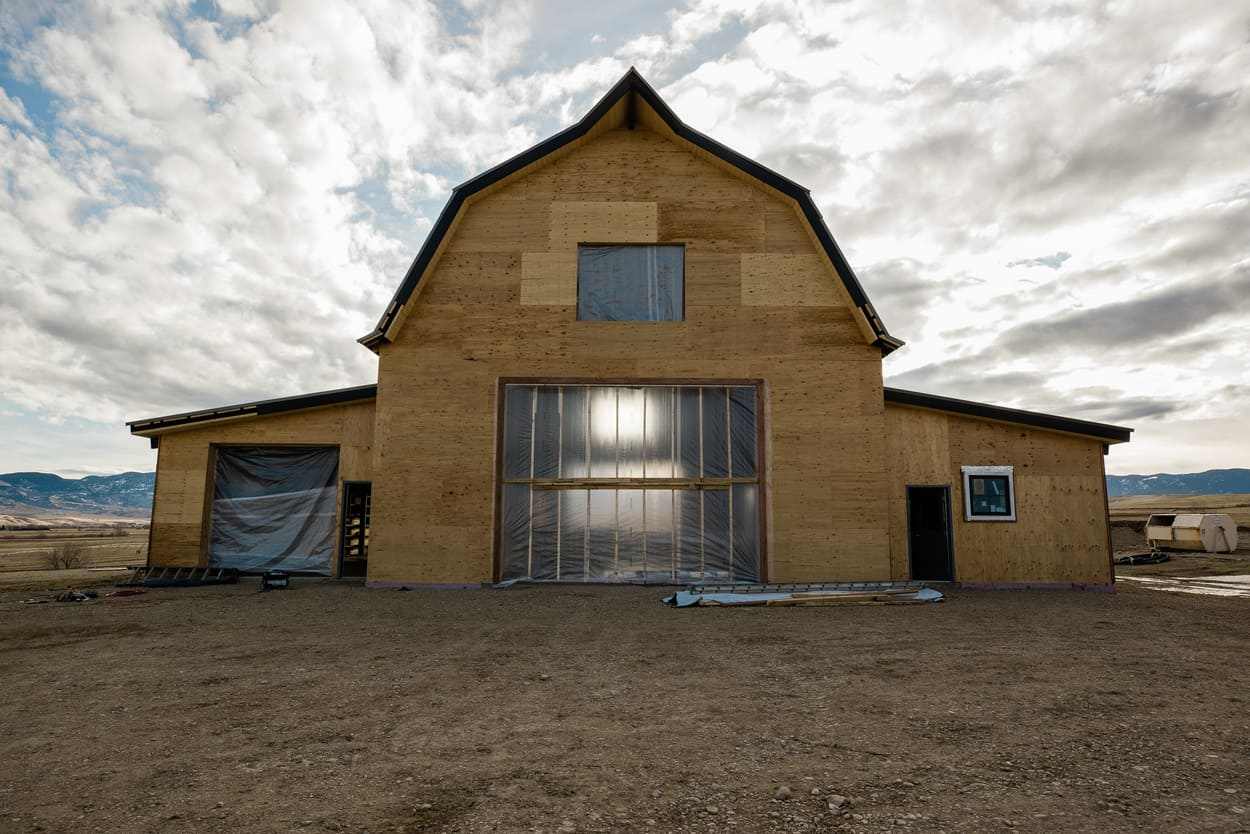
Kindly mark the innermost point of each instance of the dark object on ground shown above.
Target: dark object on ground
(158, 576)
(275, 580)
(1152, 557)
(76, 596)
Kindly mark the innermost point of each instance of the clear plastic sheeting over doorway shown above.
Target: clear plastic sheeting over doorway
(644, 484)
(274, 508)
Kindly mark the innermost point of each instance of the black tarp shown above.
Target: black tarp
(274, 508)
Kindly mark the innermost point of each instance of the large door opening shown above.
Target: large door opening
(274, 508)
(656, 484)
(929, 533)
(354, 547)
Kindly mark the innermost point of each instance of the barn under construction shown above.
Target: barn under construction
(631, 354)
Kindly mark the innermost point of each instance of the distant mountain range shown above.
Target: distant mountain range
(1211, 482)
(128, 495)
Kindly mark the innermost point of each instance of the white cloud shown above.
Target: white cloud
(221, 206)
(12, 111)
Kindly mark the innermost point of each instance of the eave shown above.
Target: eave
(1105, 432)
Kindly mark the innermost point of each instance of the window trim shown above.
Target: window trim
(578, 260)
(969, 472)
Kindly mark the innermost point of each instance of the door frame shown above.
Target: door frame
(760, 445)
(344, 483)
(950, 531)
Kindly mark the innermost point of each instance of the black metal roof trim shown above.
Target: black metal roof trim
(258, 408)
(631, 82)
(1104, 431)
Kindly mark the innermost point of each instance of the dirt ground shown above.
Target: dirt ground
(329, 707)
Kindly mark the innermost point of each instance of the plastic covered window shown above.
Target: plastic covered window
(651, 484)
(630, 283)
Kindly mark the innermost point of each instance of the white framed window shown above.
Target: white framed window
(989, 493)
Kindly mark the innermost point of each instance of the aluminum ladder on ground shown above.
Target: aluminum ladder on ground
(179, 576)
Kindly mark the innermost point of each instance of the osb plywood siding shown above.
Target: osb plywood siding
(1060, 534)
(501, 303)
(184, 479)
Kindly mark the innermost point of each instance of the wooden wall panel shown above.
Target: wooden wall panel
(1060, 534)
(579, 221)
(713, 227)
(785, 232)
(549, 278)
(434, 494)
(772, 280)
(500, 223)
(712, 279)
(183, 479)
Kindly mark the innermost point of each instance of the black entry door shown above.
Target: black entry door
(355, 545)
(929, 533)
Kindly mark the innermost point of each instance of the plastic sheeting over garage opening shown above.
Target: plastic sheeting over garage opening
(274, 508)
(644, 484)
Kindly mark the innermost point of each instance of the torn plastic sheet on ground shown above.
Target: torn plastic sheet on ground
(274, 509)
(689, 598)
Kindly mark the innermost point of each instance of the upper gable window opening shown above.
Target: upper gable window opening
(631, 282)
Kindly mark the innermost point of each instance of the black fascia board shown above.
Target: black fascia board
(258, 408)
(1037, 419)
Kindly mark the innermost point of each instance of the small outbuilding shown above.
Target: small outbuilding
(1210, 532)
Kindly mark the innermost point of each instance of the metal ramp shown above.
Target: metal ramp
(175, 576)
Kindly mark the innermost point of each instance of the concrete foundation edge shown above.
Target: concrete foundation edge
(1102, 587)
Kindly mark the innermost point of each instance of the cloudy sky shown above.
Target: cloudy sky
(208, 202)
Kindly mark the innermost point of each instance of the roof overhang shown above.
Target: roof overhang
(628, 90)
(1105, 432)
(153, 426)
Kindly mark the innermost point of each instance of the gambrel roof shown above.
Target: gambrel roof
(622, 102)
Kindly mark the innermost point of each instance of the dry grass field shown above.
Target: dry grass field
(329, 707)
(25, 562)
(1138, 507)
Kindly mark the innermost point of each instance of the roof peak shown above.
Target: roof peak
(631, 83)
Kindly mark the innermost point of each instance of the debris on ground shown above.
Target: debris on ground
(1144, 557)
(778, 595)
(76, 596)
